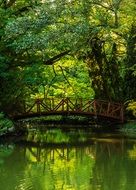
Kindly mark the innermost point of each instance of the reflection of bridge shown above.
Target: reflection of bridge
(55, 153)
(94, 150)
(96, 108)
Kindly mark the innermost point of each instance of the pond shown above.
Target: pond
(68, 160)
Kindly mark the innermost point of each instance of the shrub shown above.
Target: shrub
(5, 124)
(132, 107)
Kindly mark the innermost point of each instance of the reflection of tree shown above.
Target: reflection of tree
(64, 167)
(113, 170)
(12, 170)
(58, 136)
(104, 165)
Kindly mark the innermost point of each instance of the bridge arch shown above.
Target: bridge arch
(68, 106)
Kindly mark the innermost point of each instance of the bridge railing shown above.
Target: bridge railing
(67, 104)
(92, 107)
(109, 109)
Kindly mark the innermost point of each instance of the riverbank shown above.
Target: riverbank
(8, 129)
(129, 128)
(6, 125)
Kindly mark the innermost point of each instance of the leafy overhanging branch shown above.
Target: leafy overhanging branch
(56, 58)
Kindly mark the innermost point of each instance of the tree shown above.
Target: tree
(43, 32)
(18, 54)
(130, 61)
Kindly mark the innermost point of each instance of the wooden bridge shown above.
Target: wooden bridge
(68, 106)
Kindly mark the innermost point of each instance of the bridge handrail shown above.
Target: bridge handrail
(79, 105)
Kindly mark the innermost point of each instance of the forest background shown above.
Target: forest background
(67, 48)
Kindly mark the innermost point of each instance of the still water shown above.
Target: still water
(68, 160)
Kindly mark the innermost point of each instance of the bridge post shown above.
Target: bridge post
(122, 113)
(94, 106)
(108, 109)
(63, 102)
(24, 107)
(52, 104)
(75, 107)
(81, 104)
(67, 104)
(38, 103)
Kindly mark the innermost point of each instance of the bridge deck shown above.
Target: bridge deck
(67, 106)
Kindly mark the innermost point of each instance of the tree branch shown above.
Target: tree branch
(66, 77)
(56, 58)
(106, 7)
(50, 84)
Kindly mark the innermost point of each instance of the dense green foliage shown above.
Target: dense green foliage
(6, 125)
(66, 48)
(132, 107)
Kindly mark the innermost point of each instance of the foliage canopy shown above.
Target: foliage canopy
(88, 44)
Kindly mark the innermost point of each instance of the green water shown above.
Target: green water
(70, 160)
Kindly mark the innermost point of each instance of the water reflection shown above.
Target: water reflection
(102, 164)
(58, 136)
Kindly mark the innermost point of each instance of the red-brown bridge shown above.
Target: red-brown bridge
(68, 106)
